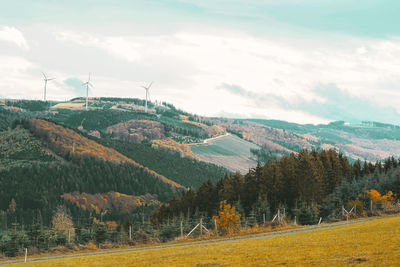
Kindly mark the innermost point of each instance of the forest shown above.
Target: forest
(309, 185)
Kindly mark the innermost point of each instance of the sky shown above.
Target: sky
(311, 61)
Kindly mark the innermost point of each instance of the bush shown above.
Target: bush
(168, 232)
(307, 215)
(101, 234)
(11, 246)
(91, 246)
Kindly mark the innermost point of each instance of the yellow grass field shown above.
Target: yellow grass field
(371, 243)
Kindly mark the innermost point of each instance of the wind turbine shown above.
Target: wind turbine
(45, 84)
(87, 90)
(147, 94)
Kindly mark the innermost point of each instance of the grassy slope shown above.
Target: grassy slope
(376, 242)
(226, 146)
(230, 152)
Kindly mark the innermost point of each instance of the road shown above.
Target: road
(207, 141)
(202, 242)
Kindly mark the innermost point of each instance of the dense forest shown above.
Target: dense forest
(313, 183)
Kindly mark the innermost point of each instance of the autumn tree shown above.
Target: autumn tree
(62, 222)
(228, 220)
(13, 206)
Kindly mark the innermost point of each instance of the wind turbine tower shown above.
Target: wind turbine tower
(87, 90)
(147, 94)
(45, 84)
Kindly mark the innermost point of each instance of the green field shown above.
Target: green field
(226, 146)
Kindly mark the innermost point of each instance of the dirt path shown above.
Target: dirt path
(202, 242)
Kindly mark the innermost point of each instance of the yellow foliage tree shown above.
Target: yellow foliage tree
(386, 199)
(228, 219)
(62, 222)
(375, 195)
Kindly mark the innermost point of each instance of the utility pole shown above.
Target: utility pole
(201, 226)
(181, 228)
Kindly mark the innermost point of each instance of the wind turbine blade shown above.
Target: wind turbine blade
(150, 85)
(44, 76)
(89, 77)
(91, 85)
(145, 88)
(50, 79)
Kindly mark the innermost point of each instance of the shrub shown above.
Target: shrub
(228, 219)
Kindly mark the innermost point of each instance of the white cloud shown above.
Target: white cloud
(118, 46)
(13, 35)
(201, 60)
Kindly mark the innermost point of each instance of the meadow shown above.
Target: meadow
(370, 243)
(227, 146)
(231, 152)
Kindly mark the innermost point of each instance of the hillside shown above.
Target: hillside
(36, 170)
(68, 143)
(229, 151)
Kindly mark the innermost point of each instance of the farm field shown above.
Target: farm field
(370, 243)
(229, 151)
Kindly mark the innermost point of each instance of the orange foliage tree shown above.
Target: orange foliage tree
(376, 197)
(228, 219)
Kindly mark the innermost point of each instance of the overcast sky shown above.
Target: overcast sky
(308, 61)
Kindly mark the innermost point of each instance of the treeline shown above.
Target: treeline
(263, 154)
(30, 105)
(301, 183)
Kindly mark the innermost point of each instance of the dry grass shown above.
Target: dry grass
(69, 105)
(372, 243)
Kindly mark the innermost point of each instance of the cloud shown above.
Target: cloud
(118, 46)
(258, 98)
(13, 35)
(340, 105)
(211, 71)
